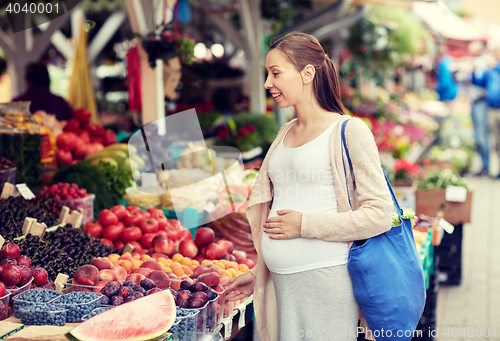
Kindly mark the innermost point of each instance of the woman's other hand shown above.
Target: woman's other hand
(240, 287)
(285, 226)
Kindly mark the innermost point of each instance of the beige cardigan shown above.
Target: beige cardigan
(372, 204)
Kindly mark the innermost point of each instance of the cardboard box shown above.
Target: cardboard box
(432, 201)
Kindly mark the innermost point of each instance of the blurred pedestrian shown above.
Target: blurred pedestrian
(490, 80)
(299, 212)
(38, 93)
(447, 87)
(479, 106)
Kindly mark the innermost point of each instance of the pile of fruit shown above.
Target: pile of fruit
(63, 191)
(13, 211)
(81, 138)
(115, 293)
(63, 251)
(119, 155)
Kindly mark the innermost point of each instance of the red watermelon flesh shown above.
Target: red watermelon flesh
(143, 319)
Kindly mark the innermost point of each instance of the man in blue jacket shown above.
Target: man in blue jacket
(490, 80)
(447, 88)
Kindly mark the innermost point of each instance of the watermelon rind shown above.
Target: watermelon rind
(144, 319)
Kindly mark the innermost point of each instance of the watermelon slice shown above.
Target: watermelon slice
(144, 319)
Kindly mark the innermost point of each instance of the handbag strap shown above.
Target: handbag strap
(344, 145)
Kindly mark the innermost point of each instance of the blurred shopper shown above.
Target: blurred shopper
(38, 92)
(479, 107)
(490, 80)
(447, 87)
(299, 212)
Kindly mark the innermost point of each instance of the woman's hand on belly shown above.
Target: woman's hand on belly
(285, 226)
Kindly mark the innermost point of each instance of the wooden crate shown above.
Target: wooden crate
(432, 201)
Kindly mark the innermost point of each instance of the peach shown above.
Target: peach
(99, 286)
(200, 270)
(226, 245)
(151, 264)
(160, 278)
(87, 275)
(215, 268)
(211, 279)
(214, 251)
(157, 255)
(101, 263)
(176, 284)
(188, 248)
(121, 272)
(171, 274)
(107, 275)
(136, 278)
(142, 271)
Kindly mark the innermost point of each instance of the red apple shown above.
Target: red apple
(188, 248)
(215, 251)
(147, 240)
(11, 250)
(226, 245)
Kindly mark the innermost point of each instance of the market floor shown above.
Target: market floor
(472, 309)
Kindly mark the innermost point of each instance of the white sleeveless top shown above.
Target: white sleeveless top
(303, 181)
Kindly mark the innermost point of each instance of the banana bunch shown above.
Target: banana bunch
(121, 155)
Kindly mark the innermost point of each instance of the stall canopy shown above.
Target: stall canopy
(442, 20)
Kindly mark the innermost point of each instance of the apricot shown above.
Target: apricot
(145, 257)
(187, 270)
(136, 263)
(226, 273)
(178, 271)
(177, 257)
(186, 261)
(127, 265)
(233, 272)
(243, 267)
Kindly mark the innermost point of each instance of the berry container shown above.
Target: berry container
(4, 306)
(78, 304)
(201, 319)
(86, 203)
(70, 287)
(184, 328)
(212, 316)
(18, 291)
(220, 306)
(95, 312)
(33, 297)
(43, 315)
(7, 175)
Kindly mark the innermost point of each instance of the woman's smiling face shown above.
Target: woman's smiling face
(283, 80)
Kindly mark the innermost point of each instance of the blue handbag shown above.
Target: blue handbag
(387, 276)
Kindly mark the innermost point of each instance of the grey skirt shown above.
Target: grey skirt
(317, 304)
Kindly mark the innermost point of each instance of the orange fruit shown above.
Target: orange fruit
(186, 261)
(195, 262)
(178, 271)
(206, 262)
(145, 257)
(177, 257)
(226, 273)
(233, 272)
(187, 270)
(243, 267)
(113, 257)
(175, 265)
(136, 263)
(127, 265)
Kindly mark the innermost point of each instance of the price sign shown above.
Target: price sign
(25, 191)
(2, 240)
(60, 281)
(128, 248)
(455, 194)
(241, 321)
(228, 328)
(7, 190)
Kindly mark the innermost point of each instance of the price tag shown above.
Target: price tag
(455, 194)
(38, 229)
(25, 191)
(128, 248)
(2, 240)
(241, 321)
(7, 190)
(228, 328)
(60, 281)
(63, 216)
(28, 223)
(446, 226)
(149, 180)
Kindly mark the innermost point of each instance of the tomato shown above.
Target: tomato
(147, 240)
(159, 216)
(106, 218)
(133, 208)
(119, 245)
(93, 229)
(132, 218)
(163, 233)
(112, 232)
(175, 224)
(145, 214)
(148, 225)
(120, 223)
(130, 234)
(120, 211)
(106, 241)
